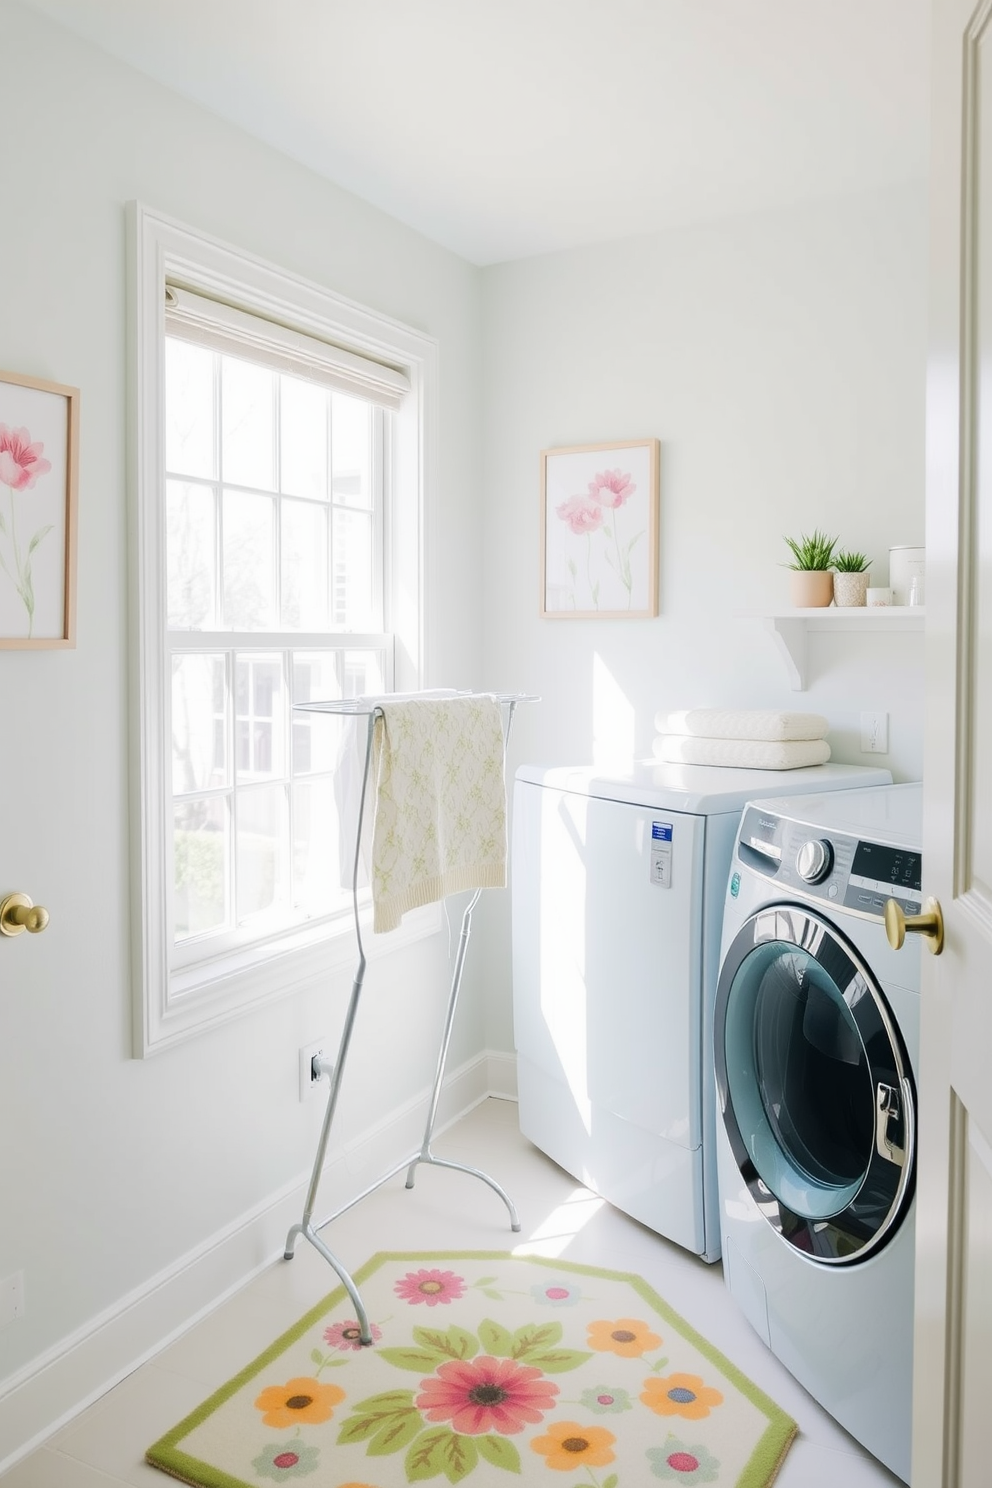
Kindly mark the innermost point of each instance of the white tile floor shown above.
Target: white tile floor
(446, 1211)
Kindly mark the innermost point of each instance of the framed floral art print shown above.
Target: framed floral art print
(599, 531)
(39, 439)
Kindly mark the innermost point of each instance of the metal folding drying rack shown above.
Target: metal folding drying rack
(371, 708)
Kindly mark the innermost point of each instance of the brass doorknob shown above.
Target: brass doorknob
(930, 925)
(18, 913)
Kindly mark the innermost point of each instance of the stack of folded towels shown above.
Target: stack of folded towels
(746, 739)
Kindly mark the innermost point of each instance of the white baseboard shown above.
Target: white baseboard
(60, 1383)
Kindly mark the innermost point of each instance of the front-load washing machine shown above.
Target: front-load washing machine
(617, 889)
(816, 1032)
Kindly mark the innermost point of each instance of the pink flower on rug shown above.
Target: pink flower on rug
(349, 1335)
(431, 1287)
(486, 1394)
(20, 460)
(581, 513)
(611, 488)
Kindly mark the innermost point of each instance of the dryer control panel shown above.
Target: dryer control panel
(833, 867)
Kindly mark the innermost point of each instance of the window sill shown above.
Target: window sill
(200, 998)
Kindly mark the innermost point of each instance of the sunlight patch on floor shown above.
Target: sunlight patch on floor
(553, 1234)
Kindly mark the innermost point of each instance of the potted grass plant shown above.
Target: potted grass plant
(851, 577)
(811, 582)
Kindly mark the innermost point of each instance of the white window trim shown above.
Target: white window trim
(165, 1013)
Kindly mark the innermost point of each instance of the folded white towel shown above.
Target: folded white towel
(742, 723)
(741, 754)
(440, 803)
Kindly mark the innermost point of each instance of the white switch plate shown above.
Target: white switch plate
(874, 733)
(11, 1298)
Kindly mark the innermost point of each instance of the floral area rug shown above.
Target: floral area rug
(490, 1368)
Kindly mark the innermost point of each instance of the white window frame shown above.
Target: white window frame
(170, 1005)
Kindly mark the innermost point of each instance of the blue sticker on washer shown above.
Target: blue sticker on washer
(735, 885)
(661, 854)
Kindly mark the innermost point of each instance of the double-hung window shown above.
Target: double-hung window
(279, 469)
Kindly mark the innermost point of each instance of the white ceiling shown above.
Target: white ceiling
(504, 128)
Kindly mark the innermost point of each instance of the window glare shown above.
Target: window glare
(189, 398)
(273, 505)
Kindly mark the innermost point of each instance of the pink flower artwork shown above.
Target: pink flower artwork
(21, 465)
(431, 1287)
(21, 461)
(611, 488)
(582, 514)
(485, 1394)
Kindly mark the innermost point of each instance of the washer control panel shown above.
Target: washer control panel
(839, 869)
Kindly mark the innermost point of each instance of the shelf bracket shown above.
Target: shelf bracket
(789, 636)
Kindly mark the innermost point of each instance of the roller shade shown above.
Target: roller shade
(193, 317)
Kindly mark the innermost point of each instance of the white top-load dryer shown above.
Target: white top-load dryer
(617, 890)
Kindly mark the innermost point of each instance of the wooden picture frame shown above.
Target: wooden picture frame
(39, 453)
(599, 531)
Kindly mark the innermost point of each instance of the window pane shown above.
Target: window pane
(303, 438)
(352, 570)
(201, 848)
(248, 406)
(262, 832)
(304, 565)
(199, 723)
(189, 409)
(191, 555)
(316, 736)
(322, 864)
(364, 673)
(259, 717)
(248, 561)
(351, 444)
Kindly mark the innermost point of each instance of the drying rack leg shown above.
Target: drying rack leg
(426, 1155)
(305, 1227)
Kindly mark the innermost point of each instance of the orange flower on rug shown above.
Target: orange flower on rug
(519, 1366)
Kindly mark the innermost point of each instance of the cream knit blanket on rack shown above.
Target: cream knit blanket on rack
(440, 803)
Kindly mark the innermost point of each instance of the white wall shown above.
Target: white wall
(780, 361)
(112, 1169)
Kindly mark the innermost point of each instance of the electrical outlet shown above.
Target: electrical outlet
(11, 1298)
(874, 733)
(309, 1078)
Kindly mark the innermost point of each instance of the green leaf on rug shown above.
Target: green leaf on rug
(440, 1450)
(535, 1338)
(557, 1361)
(456, 1343)
(414, 1358)
(374, 1415)
(500, 1452)
(397, 1433)
(611, 1481)
(495, 1339)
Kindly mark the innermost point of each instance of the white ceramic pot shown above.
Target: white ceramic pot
(850, 589)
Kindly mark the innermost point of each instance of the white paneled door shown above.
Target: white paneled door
(954, 1226)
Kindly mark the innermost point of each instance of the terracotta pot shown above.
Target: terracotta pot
(811, 589)
(851, 588)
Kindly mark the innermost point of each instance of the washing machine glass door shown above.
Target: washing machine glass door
(814, 1086)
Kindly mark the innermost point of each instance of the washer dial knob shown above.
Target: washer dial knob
(815, 860)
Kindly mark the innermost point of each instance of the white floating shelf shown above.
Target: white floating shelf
(790, 628)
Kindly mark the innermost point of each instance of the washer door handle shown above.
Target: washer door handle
(887, 1111)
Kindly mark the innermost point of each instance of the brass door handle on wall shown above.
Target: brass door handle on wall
(930, 925)
(18, 913)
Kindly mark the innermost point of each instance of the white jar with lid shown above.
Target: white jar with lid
(905, 564)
